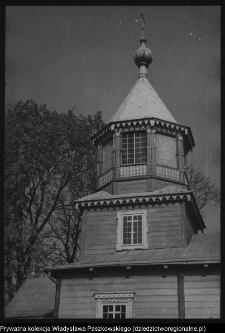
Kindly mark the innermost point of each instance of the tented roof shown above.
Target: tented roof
(142, 102)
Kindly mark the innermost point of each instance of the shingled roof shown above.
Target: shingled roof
(35, 298)
(101, 195)
(142, 102)
(203, 248)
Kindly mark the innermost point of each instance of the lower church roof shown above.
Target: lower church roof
(203, 248)
(35, 298)
(101, 195)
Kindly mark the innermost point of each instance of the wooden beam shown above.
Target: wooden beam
(57, 298)
(165, 271)
(183, 223)
(83, 235)
(91, 273)
(205, 269)
(181, 297)
(128, 272)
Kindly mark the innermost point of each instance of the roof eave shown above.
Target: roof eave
(183, 196)
(148, 121)
(180, 261)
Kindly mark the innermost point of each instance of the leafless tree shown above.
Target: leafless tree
(204, 190)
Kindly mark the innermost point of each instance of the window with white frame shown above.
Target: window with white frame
(114, 311)
(114, 305)
(132, 230)
(134, 149)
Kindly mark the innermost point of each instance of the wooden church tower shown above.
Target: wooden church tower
(143, 250)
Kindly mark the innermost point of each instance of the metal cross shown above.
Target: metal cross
(143, 24)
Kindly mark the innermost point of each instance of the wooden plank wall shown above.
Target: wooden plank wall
(164, 228)
(107, 154)
(190, 229)
(155, 296)
(101, 232)
(202, 294)
(132, 186)
(159, 183)
(166, 150)
(108, 188)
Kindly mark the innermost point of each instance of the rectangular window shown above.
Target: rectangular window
(132, 229)
(110, 305)
(114, 311)
(134, 149)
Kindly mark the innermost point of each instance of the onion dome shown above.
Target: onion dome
(143, 56)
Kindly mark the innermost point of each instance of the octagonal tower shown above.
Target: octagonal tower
(142, 148)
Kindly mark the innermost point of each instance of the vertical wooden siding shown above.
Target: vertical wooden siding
(202, 295)
(132, 186)
(164, 226)
(163, 183)
(155, 296)
(107, 156)
(190, 229)
(100, 237)
(166, 151)
(107, 188)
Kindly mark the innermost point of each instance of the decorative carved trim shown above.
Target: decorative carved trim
(133, 170)
(167, 172)
(117, 133)
(134, 200)
(114, 295)
(161, 126)
(106, 178)
(112, 298)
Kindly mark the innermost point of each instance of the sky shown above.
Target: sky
(82, 57)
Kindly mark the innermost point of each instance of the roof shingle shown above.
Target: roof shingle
(35, 298)
(201, 248)
(101, 195)
(142, 102)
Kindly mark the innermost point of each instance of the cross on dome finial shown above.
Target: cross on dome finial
(143, 24)
(143, 56)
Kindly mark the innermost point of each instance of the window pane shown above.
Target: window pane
(132, 229)
(134, 148)
(140, 148)
(117, 307)
(114, 311)
(127, 229)
(123, 307)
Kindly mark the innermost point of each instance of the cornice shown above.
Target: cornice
(136, 199)
(133, 263)
(143, 124)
